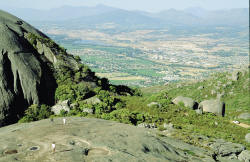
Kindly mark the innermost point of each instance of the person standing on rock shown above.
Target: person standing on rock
(64, 121)
(53, 147)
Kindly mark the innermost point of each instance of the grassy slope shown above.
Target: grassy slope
(189, 124)
(236, 93)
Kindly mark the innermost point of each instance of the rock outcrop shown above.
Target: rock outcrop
(25, 75)
(223, 148)
(61, 105)
(83, 139)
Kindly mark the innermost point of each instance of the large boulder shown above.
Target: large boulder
(214, 106)
(25, 76)
(244, 116)
(188, 102)
(247, 137)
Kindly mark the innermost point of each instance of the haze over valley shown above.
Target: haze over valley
(142, 48)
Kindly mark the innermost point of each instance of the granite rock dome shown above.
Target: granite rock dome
(26, 77)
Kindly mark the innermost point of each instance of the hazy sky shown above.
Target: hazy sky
(146, 5)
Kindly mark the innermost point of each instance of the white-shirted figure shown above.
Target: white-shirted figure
(53, 147)
(64, 121)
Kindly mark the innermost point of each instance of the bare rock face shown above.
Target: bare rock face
(83, 139)
(25, 75)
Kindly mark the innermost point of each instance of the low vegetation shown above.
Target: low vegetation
(36, 112)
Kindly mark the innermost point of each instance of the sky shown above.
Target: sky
(144, 5)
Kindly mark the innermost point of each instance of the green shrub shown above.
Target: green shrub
(63, 113)
(36, 112)
(77, 58)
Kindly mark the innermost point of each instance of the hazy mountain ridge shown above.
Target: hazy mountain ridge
(60, 14)
(104, 14)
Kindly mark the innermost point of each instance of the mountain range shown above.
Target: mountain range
(101, 14)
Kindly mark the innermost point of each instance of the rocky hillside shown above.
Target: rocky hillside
(35, 70)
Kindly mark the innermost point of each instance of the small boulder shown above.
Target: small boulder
(213, 92)
(244, 156)
(188, 102)
(219, 82)
(143, 125)
(89, 111)
(166, 84)
(93, 100)
(219, 95)
(61, 105)
(169, 126)
(244, 116)
(72, 106)
(247, 138)
(178, 86)
(154, 104)
(217, 87)
(200, 87)
(236, 76)
(152, 125)
(214, 106)
(199, 111)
